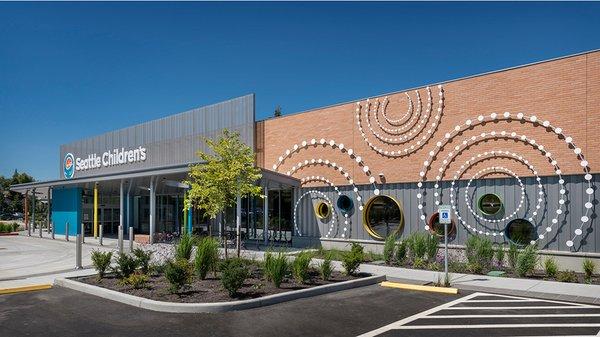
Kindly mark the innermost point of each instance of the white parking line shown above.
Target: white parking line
(472, 298)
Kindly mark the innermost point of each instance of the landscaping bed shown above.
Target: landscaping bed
(210, 290)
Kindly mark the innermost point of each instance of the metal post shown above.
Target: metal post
(121, 204)
(26, 211)
(266, 216)
(48, 221)
(67, 231)
(95, 210)
(78, 244)
(152, 209)
(130, 239)
(446, 254)
(101, 229)
(82, 233)
(32, 212)
(238, 225)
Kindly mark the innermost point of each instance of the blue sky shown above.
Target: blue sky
(72, 70)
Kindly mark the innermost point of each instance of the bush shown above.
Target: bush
(513, 253)
(178, 273)
(136, 280)
(388, 249)
(300, 266)
(101, 262)
(183, 249)
(431, 246)
(275, 268)
(326, 268)
(142, 259)
(527, 260)
(401, 252)
(207, 257)
(234, 273)
(480, 253)
(500, 256)
(15, 226)
(550, 267)
(417, 245)
(588, 268)
(567, 276)
(268, 261)
(352, 259)
(125, 265)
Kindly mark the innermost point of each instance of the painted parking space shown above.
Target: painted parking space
(482, 314)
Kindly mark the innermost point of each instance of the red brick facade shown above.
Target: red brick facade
(565, 92)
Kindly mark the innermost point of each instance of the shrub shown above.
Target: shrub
(418, 263)
(388, 249)
(566, 276)
(143, 258)
(326, 268)
(125, 265)
(500, 256)
(234, 273)
(479, 252)
(300, 266)
(15, 226)
(588, 268)
(431, 246)
(101, 262)
(401, 252)
(550, 267)
(352, 259)
(513, 253)
(183, 249)
(178, 273)
(207, 257)
(275, 268)
(268, 261)
(527, 260)
(156, 269)
(417, 245)
(136, 280)
(3, 228)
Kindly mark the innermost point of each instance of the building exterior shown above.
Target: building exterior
(514, 153)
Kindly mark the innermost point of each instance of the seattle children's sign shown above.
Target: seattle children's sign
(93, 161)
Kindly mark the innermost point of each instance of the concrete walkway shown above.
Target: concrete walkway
(28, 261)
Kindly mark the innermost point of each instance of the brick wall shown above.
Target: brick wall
(566, 92)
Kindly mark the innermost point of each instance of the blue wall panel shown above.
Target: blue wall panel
(66, 207)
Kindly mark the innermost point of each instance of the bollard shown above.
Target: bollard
(40, 230)
(78, 245)
(120, 239)
(101, 228)
(52, 225)
(82, 233)
(29, 229)
(67, 231)
(131, 239)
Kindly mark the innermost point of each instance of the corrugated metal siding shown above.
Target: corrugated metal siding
(169, 141)
(507, 188)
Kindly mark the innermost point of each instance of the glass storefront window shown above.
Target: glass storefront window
(520, 231)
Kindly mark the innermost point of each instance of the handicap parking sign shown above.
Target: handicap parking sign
(444, 214)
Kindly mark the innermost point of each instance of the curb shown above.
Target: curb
(408, 286)
(23, 289)
(173, 307)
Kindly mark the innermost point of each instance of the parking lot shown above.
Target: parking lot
(367, 311)
(482, 314)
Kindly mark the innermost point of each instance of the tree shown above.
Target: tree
(223, 175)
(277, 112)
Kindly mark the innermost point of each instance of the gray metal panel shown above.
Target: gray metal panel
(169, 141)
(508, 188)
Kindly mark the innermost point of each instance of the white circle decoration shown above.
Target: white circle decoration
(503, 134)
(320, 195)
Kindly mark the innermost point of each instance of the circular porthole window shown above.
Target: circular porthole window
(435, 227)
(382, 217)
(520, 231)
(323, 210)
(489, 204)
(344, 203)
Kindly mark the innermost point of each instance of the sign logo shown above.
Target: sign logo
(69, 166)
(444, 214)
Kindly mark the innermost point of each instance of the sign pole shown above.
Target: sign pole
(446, 279)
(444, 218)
